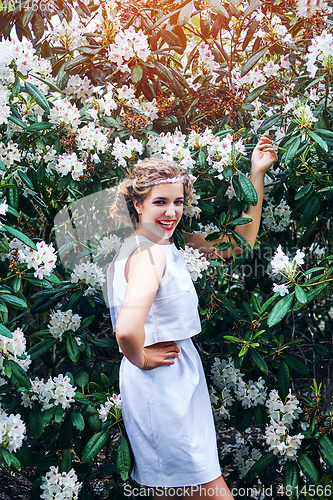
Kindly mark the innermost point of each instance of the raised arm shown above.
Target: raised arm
(263, 157)
(145, 272)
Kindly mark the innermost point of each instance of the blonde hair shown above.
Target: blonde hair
(133, 187)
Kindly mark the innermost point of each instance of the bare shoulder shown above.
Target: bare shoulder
(146, 260)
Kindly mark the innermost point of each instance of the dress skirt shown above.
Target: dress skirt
(169, 421)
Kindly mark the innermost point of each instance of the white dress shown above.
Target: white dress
(166, 411)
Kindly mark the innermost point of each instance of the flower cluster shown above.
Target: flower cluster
(90, 275)
(109, 245)
(277, 218)
(285, 269)
(9, 154)
(321, 49)
(194, 261)
(121, 151)
(58, 486)
(245, 459)
(53, 392)
(112, 402)
(12, 431)
(91, 138)
(64, 114)
(70, 163)
(61, 322)
(14, 349)
(304, 116)
(128, 44)
(230, 384)
(43, 261)
(282, 417)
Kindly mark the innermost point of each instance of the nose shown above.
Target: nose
(170, 210)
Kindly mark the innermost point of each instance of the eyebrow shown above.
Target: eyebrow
(163, 198)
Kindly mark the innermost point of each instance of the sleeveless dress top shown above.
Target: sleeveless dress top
(174, 312)
(166, 411)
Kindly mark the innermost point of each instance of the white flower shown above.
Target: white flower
(244, 460)
(90, 275)
(306, 8)
(281, 289)
(78, 87)
(60, 486)
(61, 322)
(304, 115)
(54, 392)
(195, 261)
(65, 114)
(12, 431)
(271, 69)
(125, 151)
(299, 257)
(91, 138)
(10, 153)
(109, 245)
(277, 218)
(280, 260)
(70, 163)
(227, 378)
(43, 260)
(112, 402)
(3, 208)
(14, 349)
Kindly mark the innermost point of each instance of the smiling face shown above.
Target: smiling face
(161, 211)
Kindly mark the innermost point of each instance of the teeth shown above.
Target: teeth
(168, 224)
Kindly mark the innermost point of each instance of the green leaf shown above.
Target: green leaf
(37, 127)
(298, 366)
(35, 422)
(255, 93)
(239, 222)
(244, 419)
(123, 460)
(300, 294)
(303, 191)
(232, 339)
(20, 236)
(82, 379)
(252, 61)
(259, 361)
(14, 301)
(40, 348)
(241, 241)
(37, 96)
(86, 322)
(94, 446)
(291, 478)
(5, 332)
(20, 375)
(66, 461)
(25, 179)
(17, 121)
(291, 148)
(77, 420)
(136, 73)
(59, 414)
(326, 450)
(308, 467)
(185, 14)
(218, 8)
(259, 466)
(280, 310)
(311, 210)
(202, 159)
(248, 189)
(269, 122)
(72, 348)
(318, 140)
(283, 379)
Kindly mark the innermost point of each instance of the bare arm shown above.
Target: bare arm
(145, 272)
(263, 157)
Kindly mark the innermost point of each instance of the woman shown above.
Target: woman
(165, 402)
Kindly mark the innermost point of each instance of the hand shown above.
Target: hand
(159, 354)
(264, 155)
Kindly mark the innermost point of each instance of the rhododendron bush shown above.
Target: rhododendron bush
(88, 88)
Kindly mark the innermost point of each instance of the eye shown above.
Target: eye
(179, 202)
(157, 202)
